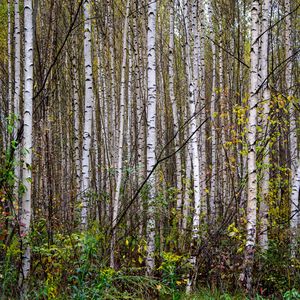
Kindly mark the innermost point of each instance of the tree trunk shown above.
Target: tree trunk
(175, 112)
(88, 115)
(252, 175)
(25, 214)
(263, 209)
(120, 135)
(151, 134)
(294, 155)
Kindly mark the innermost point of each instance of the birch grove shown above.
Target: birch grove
(149, 149)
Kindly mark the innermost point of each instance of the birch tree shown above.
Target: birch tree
(75, 88)
(151, 133)
(116, 202)
(25, 214)
(202, 107)
(17, 90)
(194, 147)
(174, 109)
(88, 114)
(9, 31)
(252, 175)
(294, 154)
(266, 97)
(213, 129)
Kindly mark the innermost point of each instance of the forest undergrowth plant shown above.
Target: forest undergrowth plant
(279, 272)
(173, 272)
(8, 265)
(9, 204)
(291, 295)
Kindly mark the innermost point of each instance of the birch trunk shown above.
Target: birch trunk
(9, 66)
(113, 137)
(88, 114)
(140, 115)
(294, 155)
(194, 151)
(120, 135)
(202, 148)
(263, 209)
(174, 110)
(252, 175)
(17, 91)
(151, 133)
(213, 129)
(25, 214)
(75, 87)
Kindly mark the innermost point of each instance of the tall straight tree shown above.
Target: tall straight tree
(193, 96)
(263, 209)
(294, 154)
(174, 108)
(116, 202)
(252, 174)
(17, 91)
(213, 180)
(151, 133)
(10, 74)
(202, 90)
(25, 212)
(88, 113)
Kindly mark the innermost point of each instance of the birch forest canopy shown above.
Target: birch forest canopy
(149, 149)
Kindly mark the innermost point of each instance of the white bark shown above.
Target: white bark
(75, 88)
(195, 153)
(17, 39)
(113, 134)
(88, 114)
(140, 114)
(263, 210)
(151, 133)
(193, 145)
(174, 110)
(9, 31)
(129, 105)
(120, 135)
(294, 155)
(252, 175)
(212, 194)
(25, 214)
(17, 91)
(202, 148)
